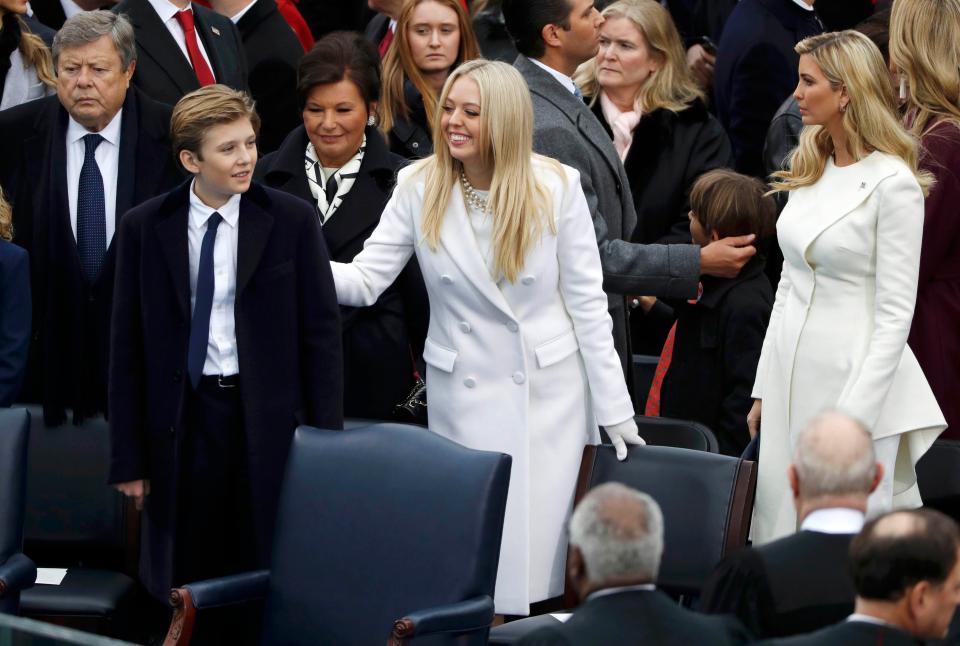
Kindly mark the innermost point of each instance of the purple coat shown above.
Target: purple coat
(935, 335)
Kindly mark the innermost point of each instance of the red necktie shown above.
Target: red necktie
(385, 43)
(200, 67)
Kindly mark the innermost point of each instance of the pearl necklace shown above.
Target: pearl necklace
(471, 195)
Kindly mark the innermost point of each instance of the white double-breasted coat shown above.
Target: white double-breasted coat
(837, 337)
(525, 368)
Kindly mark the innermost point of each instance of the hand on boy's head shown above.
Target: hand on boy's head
(727, 256)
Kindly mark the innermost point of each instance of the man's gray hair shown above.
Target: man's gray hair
(619, 532)
(89, 26)
(834, 456)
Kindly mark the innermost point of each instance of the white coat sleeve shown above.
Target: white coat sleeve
(899, 236)
(773, 328)
(581, 286)
(385, 253)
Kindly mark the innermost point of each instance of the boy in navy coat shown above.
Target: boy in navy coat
(226, 336)
(710, 359)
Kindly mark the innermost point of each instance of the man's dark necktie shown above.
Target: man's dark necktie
(91, 211)
(200, 325)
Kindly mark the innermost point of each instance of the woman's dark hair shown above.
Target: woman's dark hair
(337, 56)
(525, 20)
(900, 549)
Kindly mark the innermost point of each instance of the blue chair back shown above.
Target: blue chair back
(378, 522)
(14, 435)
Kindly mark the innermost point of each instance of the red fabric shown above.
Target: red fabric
(385, 43)
(288, 9)
(200, 67)
(652, 408)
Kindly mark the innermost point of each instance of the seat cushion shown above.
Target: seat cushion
(88, 593)
(511, 633)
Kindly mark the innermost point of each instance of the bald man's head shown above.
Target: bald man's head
(834, 457)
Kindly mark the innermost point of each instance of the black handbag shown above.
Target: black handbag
(413, 407)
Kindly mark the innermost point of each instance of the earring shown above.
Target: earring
(371, 120)
(843, 108)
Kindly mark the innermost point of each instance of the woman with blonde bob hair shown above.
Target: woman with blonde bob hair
(850, 236)
(432, 37)
(519, 353)
(925, 48)
(642, 91)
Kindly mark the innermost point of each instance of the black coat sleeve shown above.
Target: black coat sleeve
(738, 587)
(15, 307)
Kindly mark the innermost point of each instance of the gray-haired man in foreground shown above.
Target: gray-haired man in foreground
(616, 541)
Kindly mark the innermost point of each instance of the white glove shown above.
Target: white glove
(622, 434)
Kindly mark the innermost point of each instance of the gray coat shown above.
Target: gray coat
(565, 129)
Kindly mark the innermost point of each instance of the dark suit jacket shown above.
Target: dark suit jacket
(849, 633)
(288, 340)
(790, 586)
(71, 318)
(715, 355)
(377, 28)
(756, 70)
(377, 340)
(49, 12)
(40, 29)
(411, 137)
(14, 319)
(637, 617)
(163, 72)
(273, 53)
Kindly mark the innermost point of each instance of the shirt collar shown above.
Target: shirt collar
(801, 3)
(564, 80)
(624, 588)
(867, 619)
(240, 14)
(833, 520)
(200, 212)
(111, 133)
(165, 9)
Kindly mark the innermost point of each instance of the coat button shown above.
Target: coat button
(519, 377)
(469, 382)
(512, 326)
(446, 280)
(465, 327)
(528, 280)
(415, 145)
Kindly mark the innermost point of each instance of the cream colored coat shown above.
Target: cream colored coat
(22, 83)
(838, 333)
(528, 369)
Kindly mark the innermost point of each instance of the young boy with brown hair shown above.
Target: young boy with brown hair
(709, 363)
(226, 336)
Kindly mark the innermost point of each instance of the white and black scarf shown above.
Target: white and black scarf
(344, 178)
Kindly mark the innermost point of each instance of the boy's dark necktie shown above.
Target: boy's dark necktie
(200, 325)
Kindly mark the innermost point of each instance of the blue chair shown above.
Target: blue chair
(16, 570)
(388, 532)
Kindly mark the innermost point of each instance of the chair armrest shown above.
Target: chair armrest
(18, 573)
(463, 616)
(212, 593)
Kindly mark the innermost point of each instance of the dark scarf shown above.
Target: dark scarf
(9, 41)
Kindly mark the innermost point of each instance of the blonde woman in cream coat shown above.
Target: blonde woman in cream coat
(519, 351)
(850, 236)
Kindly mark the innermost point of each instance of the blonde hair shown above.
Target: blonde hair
(925, 46)
(672, 87)
(36, 54)
(398, 65)
(870, 121)
(6, 218)
(202, 109)
(520, 205)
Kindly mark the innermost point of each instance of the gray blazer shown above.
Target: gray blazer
(565, 129)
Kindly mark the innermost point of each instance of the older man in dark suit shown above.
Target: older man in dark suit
(802, 582)
(73, 164)
(182, 46)
(553, 38)
(616, 541)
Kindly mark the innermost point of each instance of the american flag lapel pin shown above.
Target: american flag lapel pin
(215, 31)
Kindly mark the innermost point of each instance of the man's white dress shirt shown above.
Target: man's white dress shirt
(833, 520)
(222, 339)
(107, 155)
(564, 80)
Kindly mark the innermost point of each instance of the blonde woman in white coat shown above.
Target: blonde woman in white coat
(26, 71)
(850, 236)
(519, 351)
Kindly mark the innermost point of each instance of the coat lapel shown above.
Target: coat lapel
(872, 170)
(255, 226)
(212, 40)
(172, 234)
(458, 239)
(155, 40)
(127, 172)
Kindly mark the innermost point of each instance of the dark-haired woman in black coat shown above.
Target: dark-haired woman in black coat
(645, 96)
(338, 161)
